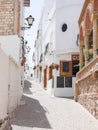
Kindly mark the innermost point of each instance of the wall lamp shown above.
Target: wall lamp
(30, 21)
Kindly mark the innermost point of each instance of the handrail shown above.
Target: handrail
(87, 69)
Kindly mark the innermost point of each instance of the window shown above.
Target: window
(64, 27)
(68, 82)
(64, 82)
(66, 68)
(60, 82)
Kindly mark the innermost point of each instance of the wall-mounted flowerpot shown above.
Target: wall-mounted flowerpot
(34, 67)
(40, 67)
(57, 66)
(22, 63)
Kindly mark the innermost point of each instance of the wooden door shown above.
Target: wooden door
(45, 78)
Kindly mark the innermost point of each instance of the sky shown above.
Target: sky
(35, 10)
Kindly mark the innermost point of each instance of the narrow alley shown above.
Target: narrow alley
(40, 111)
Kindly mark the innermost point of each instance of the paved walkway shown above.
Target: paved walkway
(40, 111)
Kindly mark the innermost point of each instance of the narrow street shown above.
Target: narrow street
(41, 111)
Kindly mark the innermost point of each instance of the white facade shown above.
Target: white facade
(67, 12)
(11, 71)
(11, 46)
(4, 61)
(61, 45)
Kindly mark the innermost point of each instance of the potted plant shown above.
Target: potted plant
(89, 54)
(56, 66)
(40, 67)
(86, 53)
(80, 65)
(34, 67)
(53, 66)
(23, 61)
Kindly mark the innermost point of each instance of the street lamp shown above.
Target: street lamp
(30, 21)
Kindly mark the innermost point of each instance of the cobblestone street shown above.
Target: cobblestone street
(41, 111)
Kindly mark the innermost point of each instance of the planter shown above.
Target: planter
(55, 66)
(34, 67)
(40, 67)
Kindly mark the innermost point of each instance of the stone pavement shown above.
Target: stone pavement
(41, 111)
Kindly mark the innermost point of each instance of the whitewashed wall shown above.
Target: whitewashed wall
(4, 60)
(67, 12)
(10, 91)
(14, 85)
(11, 46)
(56, 13)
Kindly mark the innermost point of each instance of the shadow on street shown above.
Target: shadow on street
(27, 86)
(31, 114)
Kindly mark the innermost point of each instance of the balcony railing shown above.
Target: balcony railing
(87, 70)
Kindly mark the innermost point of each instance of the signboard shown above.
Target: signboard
(75, 57)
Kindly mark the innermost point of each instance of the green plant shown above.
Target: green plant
(91, 51)
(97, 51)
(53, 66)
(88, 54)
(80, 65)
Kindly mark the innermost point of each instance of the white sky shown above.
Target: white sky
(30, 35)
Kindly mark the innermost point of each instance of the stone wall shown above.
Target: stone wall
(88, 95)
(86, 87)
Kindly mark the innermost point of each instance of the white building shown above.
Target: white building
(58, 43)
(11, 56)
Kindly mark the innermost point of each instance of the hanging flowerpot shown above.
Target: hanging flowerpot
(53, 66)
(34, 67)
(56, 66)
(40, 67)
(22, 62)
